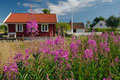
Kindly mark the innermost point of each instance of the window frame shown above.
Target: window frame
(44, 28)
(19, 28)
(101, 24)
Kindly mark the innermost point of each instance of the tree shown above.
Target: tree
(63, 27)
(46, 11)
(3, 28)
(88, 22)
(96, 20)
(113, 22)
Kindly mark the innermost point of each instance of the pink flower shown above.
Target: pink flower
(50, 42)
(32, 26)
(59, 41)
(60, 54)
(116, 59)
(78, 42)
(107, 79)
(107, 49)
(88, 53)
(92, 43)
(74, 49)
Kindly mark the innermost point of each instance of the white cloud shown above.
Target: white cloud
(107, 0)
(64, 7)
(18, 3)
(33, 5)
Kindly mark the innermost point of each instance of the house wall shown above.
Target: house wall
(98, 25)
(51, 31)
(11, 28)
(80, 30)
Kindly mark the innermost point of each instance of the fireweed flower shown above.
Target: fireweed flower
(92, 42)
(59, 41)
(74, 49)
(32, 26)
(116, 59)
(60, 54)
(104, 46)
(107, 49)
(78, 42)
(107, 79)
(18, 57)
(50, 42)
(10, 70)
(88, 53)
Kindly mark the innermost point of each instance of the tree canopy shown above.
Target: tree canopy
(88, 22)
(46, 11)
(3, 28)
(113, 21)
(63, 27)
(96, 20)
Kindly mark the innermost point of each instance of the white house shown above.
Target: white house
(100, 24)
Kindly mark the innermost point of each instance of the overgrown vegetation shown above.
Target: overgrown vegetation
(95, 58)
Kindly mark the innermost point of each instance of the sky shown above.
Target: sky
(82, 10)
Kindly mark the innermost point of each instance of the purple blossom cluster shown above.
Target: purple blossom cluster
(88, 53)
(92, 43)
(32, 27)
(59, 41)
(60, 54)
(107, 79)
(74, 49)
(104, 46)
(10, 70)
(19, 56)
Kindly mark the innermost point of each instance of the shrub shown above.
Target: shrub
(105, 29)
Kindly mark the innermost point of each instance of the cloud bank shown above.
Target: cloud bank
(63, 7)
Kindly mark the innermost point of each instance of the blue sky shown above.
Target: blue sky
(83, 10)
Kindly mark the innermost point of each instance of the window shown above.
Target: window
(44, 27)
(19, 27)
(74, 30)
(101, 24)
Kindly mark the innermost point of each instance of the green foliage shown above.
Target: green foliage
(62, 26)
(3, 28)
(113, 22)
(105, 29)
(46, 11)
(88, 23)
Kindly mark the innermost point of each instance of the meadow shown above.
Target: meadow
(95, 57)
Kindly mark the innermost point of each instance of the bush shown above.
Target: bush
(105, 29)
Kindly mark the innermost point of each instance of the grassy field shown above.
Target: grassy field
(8, 50)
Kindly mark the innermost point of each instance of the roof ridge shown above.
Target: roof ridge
(33, 13)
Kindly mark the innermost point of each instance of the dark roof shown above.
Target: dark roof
(77, 25)
(25, 17)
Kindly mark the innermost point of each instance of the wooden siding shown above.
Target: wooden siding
(51, 31)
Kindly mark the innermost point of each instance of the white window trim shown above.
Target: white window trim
(44, 30)
(17, 27)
